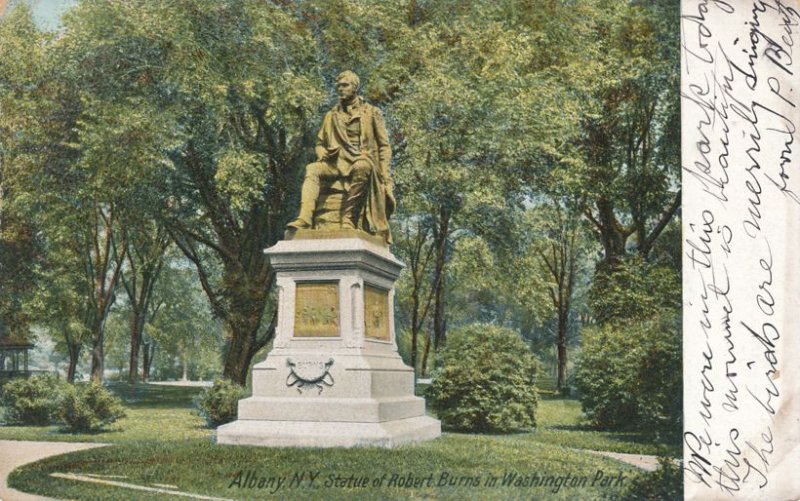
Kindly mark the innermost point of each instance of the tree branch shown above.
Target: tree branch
(662, 223)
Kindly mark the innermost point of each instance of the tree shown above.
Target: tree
(560, 248)
(145, 255)
(630, 149)
(190, 342)
(60, 305)
(193, 120)
(415, 293)
(480, 120)
(21, 64)
(71, 160)
(235, 84)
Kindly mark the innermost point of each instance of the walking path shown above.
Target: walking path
(15, 453)
(642, 461)
(194, 384)
(647, 463)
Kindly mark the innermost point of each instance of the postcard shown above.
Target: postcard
(359, 249)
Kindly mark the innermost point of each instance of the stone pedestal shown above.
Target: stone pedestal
(334, 377)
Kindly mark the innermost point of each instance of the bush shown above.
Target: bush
(630, 376)
(664, 484)
(219, 404)
(33, 401)
(486, 380)
(90, 407)
(634, 289)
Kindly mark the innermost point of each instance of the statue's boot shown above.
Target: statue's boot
(354, 199)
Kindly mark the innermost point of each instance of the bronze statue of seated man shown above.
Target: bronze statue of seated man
(353, 159)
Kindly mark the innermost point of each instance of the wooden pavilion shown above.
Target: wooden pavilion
(13, 356)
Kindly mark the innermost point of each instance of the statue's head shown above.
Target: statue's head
(347, 84)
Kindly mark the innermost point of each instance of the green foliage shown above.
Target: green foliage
(32, 401)
(629, 375)
(89, 407)
(485, 293)
(486, 380)
(634, 289)
(664, 484)
(220, 403)
(148, 407)
(201, 116)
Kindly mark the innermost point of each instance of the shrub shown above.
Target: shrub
(90, 407)
(486, 380)
(630, 376)
(33, 401)
(634, 289)
(664, 484)
(219, 404)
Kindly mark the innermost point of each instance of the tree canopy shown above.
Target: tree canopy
(187, 122)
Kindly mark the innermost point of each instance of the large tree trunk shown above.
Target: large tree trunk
(136, 327)
(74, 351)
(104, 265)
(148, 353)
(98, 357)
(241, 350)
(425, 351)
(612, 235)
(242, 321)
(560, 259)
(98, 338)
(184, 365)
(563, 316)
(238, 239)
(439, 323)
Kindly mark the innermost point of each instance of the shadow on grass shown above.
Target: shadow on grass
(144, 395)
(64, 432)
(487, 433)
(622, 436)
(581, 427)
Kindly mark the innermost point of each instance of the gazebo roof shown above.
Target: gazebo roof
(8, 342)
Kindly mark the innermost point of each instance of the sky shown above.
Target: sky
(46, 13)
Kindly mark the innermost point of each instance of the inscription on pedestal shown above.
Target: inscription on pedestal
(316, 312)
(376, 313)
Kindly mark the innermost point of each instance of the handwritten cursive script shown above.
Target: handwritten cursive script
(740, 89)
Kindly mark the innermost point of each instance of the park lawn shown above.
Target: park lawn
(152, 412)
(162, 441)
(200, 467)
(560, 422)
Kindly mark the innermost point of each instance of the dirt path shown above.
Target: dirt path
(15, 453)
(642, 461)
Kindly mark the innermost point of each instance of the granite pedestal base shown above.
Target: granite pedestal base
(334, 377)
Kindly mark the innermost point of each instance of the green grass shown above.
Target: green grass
(201, 467)
(162, 441)
(562, 423)
(165, 411)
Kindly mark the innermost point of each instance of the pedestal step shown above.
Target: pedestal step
(353, 410)
(328, 434)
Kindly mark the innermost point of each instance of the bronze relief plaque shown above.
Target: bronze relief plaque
(376, 313)
(316, 309)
